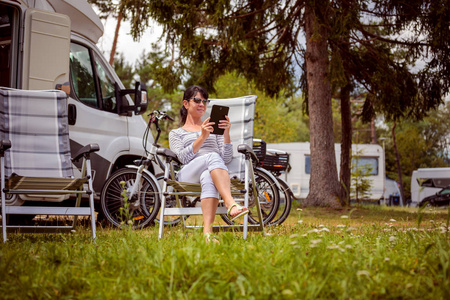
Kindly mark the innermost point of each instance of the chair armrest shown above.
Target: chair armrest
(4, 145)
(248, 152)
(86, 151)
(168, 154)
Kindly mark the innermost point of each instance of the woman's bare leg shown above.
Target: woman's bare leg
(221, 180)
(209, 208)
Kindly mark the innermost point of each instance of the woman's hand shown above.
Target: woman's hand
(207, 128)
(226, 124)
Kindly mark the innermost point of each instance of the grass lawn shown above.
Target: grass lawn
(356, 253)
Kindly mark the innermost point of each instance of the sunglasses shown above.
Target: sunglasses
(198, 100)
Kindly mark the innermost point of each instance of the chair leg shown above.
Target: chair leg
(3, 199)
(91, 197)
(161, 214)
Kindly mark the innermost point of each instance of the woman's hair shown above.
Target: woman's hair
(189, 93)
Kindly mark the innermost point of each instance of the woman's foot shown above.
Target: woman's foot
(235, 211)
(209, 237)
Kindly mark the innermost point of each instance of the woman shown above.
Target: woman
(204, 156)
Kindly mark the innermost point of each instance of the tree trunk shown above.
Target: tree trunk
(116, 36)
(346, 144)
(399, 167)
(324, 184)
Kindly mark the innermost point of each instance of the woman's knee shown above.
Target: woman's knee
(215, 161)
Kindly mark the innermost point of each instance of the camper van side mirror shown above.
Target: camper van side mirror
(140, 99)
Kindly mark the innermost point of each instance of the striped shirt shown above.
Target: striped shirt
(180, 142)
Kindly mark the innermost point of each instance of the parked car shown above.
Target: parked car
(441, 198)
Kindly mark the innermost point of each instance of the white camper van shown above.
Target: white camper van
(428, 181)
(371, 156)
(48, 44)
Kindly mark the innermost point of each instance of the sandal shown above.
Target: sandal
(209, 237)
(242, 213)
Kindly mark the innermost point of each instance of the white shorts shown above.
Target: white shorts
(198, 171)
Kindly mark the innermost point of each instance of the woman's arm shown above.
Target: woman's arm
(184, 154)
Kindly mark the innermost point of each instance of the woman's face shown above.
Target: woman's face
(196, 110)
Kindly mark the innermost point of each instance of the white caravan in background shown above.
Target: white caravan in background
(371, 156)
(428, 181)
(48, 44)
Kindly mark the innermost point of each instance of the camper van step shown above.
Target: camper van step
(44, 210)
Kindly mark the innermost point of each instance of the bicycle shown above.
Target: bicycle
(276, 163)
(134, 190)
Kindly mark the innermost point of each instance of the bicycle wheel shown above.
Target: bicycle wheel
(141, 209)
(268, 195)
(285, 203)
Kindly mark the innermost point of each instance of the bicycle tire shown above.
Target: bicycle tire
(269, 200)
(285, 205)
(144, 205)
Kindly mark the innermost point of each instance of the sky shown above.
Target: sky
(131, 49)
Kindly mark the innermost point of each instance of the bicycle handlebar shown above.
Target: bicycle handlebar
(159, 115)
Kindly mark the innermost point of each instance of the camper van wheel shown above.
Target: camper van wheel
(140, 210)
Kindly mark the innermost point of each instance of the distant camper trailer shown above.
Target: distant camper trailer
(371, 156)
(428, 181)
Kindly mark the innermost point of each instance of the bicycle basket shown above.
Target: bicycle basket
(275, 162)
(259, 148)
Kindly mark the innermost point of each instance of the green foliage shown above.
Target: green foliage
(421, 144)
(373, 253)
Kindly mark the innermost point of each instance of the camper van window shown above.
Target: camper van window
(6, 36)
(369, 164)
(82, 75)
(308, 164)
(106, 86)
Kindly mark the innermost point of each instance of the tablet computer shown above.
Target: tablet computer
(218, 112)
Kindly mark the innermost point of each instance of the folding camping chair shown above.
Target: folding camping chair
(35, 159)
(241, 171)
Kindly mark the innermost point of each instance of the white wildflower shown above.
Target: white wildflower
(325, 229)
(363, 272)
(321, 225)
(300, 221)
(348, 246)
(293, 236)
(392, 220)
(392, 239)
(315, 230)
(293, 242)
(299, 209)
(340, 226)
(344, 217)
(314, 243)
